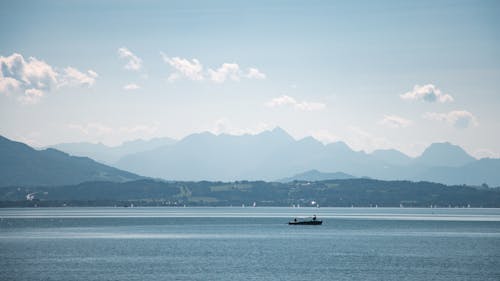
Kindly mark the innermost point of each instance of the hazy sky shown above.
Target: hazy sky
(375, 74)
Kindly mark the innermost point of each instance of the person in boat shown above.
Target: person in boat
(314, 217)
(295, 220)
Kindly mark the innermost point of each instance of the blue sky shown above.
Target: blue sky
(375, 74)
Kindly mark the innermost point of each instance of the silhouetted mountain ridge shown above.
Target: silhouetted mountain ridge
(23, 165)
(274, 154)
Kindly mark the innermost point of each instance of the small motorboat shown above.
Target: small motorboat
(305, 221)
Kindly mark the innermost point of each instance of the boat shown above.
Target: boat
(306, 221)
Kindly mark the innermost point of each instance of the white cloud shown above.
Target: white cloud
(194, 70)
(233, 72)
(394, 121)
(9, 85)
(428, 93)
(458, 118)
(73, 77)
(131, 87)
(227, 70)
(133, 62)
(254, 73)
(285, 100)
(31, 96)
(32, 78)
(31, 73)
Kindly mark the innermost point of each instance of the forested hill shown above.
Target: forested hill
(335, 193)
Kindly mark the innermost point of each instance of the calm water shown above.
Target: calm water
(249, 244)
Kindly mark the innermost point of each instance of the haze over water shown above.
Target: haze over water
(249, 243)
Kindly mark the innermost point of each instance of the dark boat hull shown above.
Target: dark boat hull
(305, 222)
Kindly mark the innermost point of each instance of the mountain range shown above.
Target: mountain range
(21, 165)
(111, 154)
(274, 155)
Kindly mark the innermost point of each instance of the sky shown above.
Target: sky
(374, 74)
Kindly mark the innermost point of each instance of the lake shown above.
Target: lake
(234, 243)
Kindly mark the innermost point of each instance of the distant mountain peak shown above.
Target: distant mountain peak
(444, 154)
(441, 144)
(278, 131)
(310, 140)
(278, 134)
(205, 134)
(444, 147)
